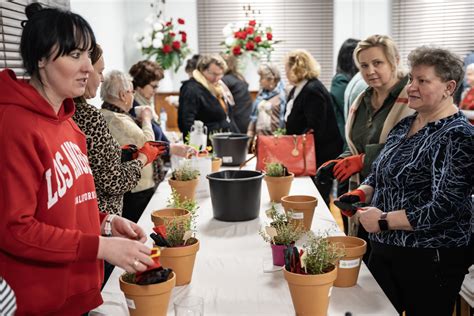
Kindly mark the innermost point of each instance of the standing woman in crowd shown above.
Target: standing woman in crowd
(309, 107)
(206, 98)
(345, 70)
(268, 109)
(239, 88)
(467, 98)
(146, 76)
(51, 227)
(420, 218)
(371, 117)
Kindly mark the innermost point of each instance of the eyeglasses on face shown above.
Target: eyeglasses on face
(154, 85)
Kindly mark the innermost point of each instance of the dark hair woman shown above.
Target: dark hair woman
(51, 228)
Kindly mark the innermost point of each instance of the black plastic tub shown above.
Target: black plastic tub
(231, 147)
(235, 194)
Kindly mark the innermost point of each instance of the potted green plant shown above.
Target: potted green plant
(280, 234)
(278, 180)
(184, 180)
(180, 254)
(310, 283)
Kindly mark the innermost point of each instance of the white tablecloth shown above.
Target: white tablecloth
(229, 269)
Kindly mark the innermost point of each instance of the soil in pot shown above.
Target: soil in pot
(148, 300)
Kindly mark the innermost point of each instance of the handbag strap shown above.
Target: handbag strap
(304, 151)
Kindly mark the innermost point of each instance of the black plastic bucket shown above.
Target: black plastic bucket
(231, 147)
(235, 194)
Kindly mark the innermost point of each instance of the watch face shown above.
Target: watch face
(383, 224)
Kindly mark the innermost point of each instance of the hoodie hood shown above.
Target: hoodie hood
(17, 92)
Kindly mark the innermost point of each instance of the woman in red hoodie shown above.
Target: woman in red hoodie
(53, 239)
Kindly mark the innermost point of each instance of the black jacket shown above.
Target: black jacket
(197, 103)
(243, 101)
(312, 109)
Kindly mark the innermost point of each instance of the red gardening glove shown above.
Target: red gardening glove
(349, 198)
(152, 151)
(129, 152)
(348, 166)
(325, 173)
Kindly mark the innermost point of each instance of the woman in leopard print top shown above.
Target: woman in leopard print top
(112, 176)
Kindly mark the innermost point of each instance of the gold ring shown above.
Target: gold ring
(135, 263)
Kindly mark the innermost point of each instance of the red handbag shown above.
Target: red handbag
(296, 152)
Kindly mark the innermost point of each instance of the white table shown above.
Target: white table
(229, 268)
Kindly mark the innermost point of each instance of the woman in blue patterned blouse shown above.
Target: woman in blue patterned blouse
(420, 219)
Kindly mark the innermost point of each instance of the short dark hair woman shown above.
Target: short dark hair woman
(420, 187)
(51, 228)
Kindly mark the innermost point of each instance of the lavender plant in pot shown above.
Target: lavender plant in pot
(281, 233)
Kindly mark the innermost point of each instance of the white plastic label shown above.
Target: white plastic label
(227, 159)
(297, 215)
(130, 303)
(348, 264)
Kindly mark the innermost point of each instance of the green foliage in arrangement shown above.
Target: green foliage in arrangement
(320, 256)
(279, 132)
(175, 229)
(190, 205)
(185, 172)
(287, 231)
(275, 169)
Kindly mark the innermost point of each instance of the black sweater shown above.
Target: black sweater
(312, 109)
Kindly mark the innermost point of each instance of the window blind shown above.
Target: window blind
(12, 12)
(446, 23)
(298, 23)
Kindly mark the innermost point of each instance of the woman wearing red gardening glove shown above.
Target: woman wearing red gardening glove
(371, 117)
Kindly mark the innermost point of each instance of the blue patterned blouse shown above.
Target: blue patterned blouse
(430, 175)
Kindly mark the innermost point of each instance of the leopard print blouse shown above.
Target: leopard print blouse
(111, 176)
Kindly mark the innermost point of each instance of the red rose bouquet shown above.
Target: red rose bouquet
(165, 44)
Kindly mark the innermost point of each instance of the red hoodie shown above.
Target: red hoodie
(49, 219)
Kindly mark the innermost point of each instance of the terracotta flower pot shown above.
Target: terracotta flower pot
(278, 254)
(216, 164)
(181, 261)
(349, 265)
(278, 186)
(310, 293)
(185, 189)
(302, 206)
(148, 300)
(165, 215)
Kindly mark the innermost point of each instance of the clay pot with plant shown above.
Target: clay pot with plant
(181, 247)
(281, 233)
(184, 180)
(278, 180)
(148, 293)
(311, 276)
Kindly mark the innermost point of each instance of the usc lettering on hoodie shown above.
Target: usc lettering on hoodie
(50, 224)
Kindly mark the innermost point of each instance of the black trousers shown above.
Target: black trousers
(135, 203)
(420, 281)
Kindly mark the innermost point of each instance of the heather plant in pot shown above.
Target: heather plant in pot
(184, 180)
(311, 276)
(278, 180)
(178, 241)
(281, 233)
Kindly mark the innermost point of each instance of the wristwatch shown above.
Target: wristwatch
(383, 224)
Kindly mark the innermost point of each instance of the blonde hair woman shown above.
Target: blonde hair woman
(309, 107)
(206, 98)
(374, 113)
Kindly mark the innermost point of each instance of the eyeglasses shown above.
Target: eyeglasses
(154, 86)
(213, 74)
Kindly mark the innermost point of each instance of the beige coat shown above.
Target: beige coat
(124, 129)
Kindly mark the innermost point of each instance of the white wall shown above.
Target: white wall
(359, 19)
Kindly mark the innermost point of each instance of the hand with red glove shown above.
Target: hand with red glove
(152, 150)
(129, 152)
(325, 173)
(350, 202)
(348, 166)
